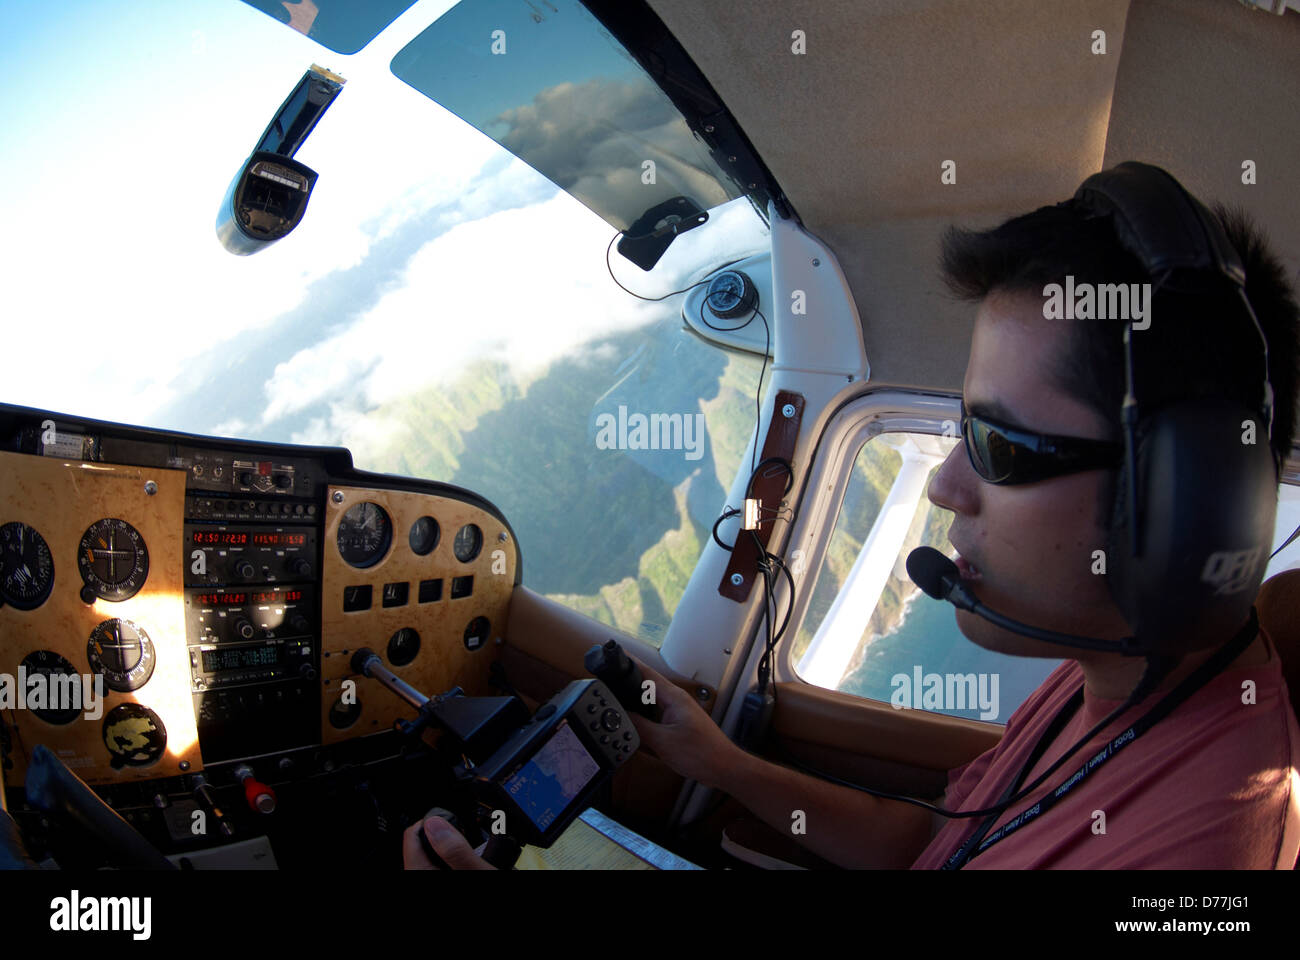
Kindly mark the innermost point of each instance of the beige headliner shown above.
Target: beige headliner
(856, 129)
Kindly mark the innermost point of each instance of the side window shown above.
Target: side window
(869, 630)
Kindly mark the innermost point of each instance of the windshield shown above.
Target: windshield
(444, 310)
(426, 248)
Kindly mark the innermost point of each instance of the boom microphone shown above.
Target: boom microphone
(939, 578)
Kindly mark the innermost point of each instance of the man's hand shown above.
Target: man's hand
(686, 738)
(446, 841)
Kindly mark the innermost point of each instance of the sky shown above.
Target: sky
(424, 246)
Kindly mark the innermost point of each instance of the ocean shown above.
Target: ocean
(927, 637)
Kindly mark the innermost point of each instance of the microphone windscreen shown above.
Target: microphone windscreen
(927, 567)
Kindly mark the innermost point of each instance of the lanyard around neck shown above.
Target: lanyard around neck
(1189, 685)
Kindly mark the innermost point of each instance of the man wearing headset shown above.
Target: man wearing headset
(1211, 784)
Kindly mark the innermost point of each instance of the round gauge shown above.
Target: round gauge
(476, 633)
(365, 534)
(134, 735)
(49, 665)
(26, 567)
(122, 653)
(344, 715)
(731, 294)
(424, 535)
(469, 541)
(403, 647)
(113, 560)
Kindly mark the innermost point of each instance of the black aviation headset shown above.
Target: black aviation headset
(1196, 500)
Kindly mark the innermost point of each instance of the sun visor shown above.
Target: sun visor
(551, 85)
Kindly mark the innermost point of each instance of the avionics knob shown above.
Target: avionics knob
(245, 628)
(283, 481)
(244, 569)
(299, 624)
(307, 672)
(260, 797)
(300, 567)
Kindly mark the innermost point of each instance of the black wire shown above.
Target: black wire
(767, 331)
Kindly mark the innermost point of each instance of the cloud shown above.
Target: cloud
(567, 134)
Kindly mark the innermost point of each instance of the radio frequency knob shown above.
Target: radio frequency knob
(299, 567)
(307, 672)
(299, 624)
(245, 570)
(245, 628)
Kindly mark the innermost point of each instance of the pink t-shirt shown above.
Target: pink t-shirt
(1213, 785)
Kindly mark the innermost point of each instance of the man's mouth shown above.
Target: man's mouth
(968, 570)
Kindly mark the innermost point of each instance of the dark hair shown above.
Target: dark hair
(1213, 350)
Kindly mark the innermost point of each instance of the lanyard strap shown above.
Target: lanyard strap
(1190, 684)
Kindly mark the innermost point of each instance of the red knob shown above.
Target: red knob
(260, 797)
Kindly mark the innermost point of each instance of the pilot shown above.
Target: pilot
(1212, 785)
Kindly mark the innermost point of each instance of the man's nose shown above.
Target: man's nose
(954, 484)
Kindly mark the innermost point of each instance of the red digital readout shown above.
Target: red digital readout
(289, 596)
(220, 599)
(221, 538)
(279, 539)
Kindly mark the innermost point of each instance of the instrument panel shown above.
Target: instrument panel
(169, 602)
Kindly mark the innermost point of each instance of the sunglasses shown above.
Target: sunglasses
(1007, 455)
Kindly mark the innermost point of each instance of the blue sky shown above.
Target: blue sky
(120, 131)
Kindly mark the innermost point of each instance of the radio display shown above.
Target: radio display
(278, 539)
(239, 658)
(242, 538)
(260, 596)
(220, 599)
(289, 596)
(220, 538)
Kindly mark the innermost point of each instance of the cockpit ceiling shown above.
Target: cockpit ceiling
(856, 129)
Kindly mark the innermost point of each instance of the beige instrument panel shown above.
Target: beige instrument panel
(444, 658)
(61, 500)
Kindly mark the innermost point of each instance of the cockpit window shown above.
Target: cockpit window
(546, 81)
(444, 311)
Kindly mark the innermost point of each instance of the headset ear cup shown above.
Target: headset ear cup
(1119, 549)
(1208, 505)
